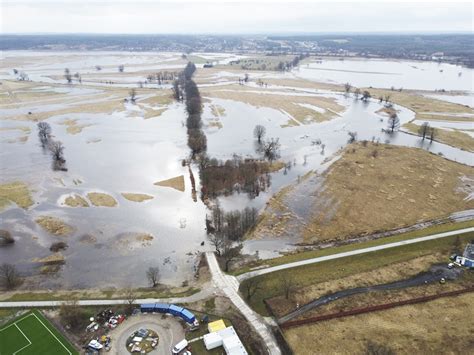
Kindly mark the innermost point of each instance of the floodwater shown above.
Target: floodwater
(121, 152)
(387, 73)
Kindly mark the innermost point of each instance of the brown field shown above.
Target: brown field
(455, 138)
(73, 127)
(423, 106)
(15, 192)
(385, 274)
(440, 326)
(54, 225)
(401, 186)
(285, 103)
(102, 200)
(176, 183)
(136, 197)
(76, 201)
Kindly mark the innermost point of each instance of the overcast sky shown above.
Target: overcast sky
(246, 16)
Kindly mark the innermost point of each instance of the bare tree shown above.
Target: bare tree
(432, 134)
(153, 275)
(121, 68)
(365, 96)
(271, 149)
(71, 314)
(250, 287)
(347, 88)
(393, 122)
(230, 252)
(356, 93)
(287, 285)
(130, 297)
(352, 137)
(67, 75)
(423, 130)
(259, 132)
(217, 241)
(44, 132)
(57, 150)
(9, 276)
(133, 95)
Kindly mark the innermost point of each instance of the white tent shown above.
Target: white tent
(212, 340)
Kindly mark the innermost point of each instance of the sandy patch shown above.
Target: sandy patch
(54, 225)
(101, 199)
(73, 127)
(176, 183)
(132, 241)
(56, 258)
(137, 197)
(75, 200)
(15, 192)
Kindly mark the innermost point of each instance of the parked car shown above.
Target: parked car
(180, 346)
(450, 265)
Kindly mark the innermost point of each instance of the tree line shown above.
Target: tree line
(184, 88)
(56, 148)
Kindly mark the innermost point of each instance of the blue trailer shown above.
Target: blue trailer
(147, 307)
(175, 310)
(162, 307)
(187, 316)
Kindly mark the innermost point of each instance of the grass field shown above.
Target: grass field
(270, 285)
(33, 334)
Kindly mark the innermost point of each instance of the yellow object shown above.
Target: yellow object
(216, 326)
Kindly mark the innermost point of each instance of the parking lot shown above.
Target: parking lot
(169, 329)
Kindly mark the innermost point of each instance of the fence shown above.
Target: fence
(375, 308)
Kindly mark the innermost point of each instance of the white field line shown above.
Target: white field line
(29, 341)
(55, 337)
(15, 324)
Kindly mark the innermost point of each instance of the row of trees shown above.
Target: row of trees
(56, 148)
(185, 87)
(288, 65)
(161, 77)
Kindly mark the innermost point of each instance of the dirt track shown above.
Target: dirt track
(433, 275)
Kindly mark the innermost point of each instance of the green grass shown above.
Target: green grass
(84, 295)
(33, 334)
(349, 247)
(270, 284)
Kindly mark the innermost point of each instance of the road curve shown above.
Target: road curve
(259, 272)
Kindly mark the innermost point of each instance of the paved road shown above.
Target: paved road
(230, 286)
(251, 274)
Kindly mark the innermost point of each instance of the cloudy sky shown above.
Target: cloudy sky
(245, 16)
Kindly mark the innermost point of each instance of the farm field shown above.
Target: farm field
(32, 334)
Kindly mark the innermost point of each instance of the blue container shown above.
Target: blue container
(187, 316)
(162, 307)
(175, 310)
(147, 307)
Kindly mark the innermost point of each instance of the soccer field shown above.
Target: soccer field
(32, 334)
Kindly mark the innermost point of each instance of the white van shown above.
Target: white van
(180, 346)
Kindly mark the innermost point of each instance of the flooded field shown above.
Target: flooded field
(124, 150)
(387, 73)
